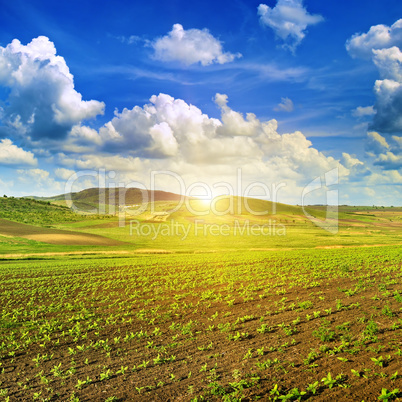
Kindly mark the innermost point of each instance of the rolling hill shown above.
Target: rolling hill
(97, 203)
(121, 207)
(108, 199)
(35, 211)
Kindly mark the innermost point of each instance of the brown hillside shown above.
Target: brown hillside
(121, 196)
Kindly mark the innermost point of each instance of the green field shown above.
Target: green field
(157, 228)
(240, 308)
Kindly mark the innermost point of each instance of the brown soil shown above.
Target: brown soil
(204, 359)
(63, 253)
(54, 236)
(356, 246)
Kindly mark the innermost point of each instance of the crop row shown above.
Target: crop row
(288, 325)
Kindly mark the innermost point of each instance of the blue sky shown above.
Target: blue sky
(286, 90)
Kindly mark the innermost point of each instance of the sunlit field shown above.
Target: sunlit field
(241, 308)
(282, 325)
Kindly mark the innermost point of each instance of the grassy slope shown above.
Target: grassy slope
(105, 199)
(34, 212)
(289, 228)
(285, 226)
(39, 214)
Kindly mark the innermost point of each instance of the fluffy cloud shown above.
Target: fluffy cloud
(234, 123)
(357, 168)
(37, 174)
(388, 90)
(63, 174)
(170, 134)
(386, 177)
(286, 105)
(388, 117)
(190, 47)
(40, 179)
(376, 143)
(157, 129)
(164, 142)
(84, 135)
(361, 111)
(378, 37)
(389, 161)
(289, 20)
(42, 101)
(10, 154)
(388, 62)
(382, 45)
(164, 134)
(385, 153)
(350, 161)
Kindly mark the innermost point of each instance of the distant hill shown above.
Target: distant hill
(115, 196)
(94, 198)
(98, 203)
(110, 200)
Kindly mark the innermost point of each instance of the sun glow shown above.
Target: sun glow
(205, 201)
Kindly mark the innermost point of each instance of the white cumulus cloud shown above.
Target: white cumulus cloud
(63, 173)
(190, 47)
(378, 37)
(10, 154)
(361, 111)
(382, 44)
(387, 154)
(376, 143)
(37, 174)
(171, 134)
(389, 161)
(289, 20)
(349, 161)
(388, 117)
(40, 179)
(42, 100)
(389, 63)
